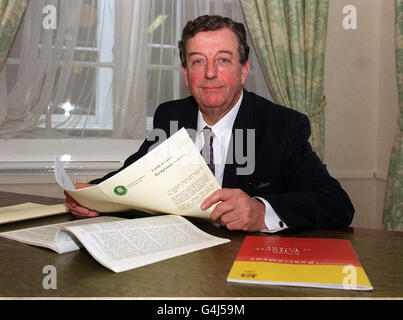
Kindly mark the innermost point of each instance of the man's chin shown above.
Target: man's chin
(210, 107)
(211, 103)
(213, 113)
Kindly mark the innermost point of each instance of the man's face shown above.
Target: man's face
(213, 73)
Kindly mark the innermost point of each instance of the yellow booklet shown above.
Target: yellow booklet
(305, 262)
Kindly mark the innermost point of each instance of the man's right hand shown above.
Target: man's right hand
(76, 209)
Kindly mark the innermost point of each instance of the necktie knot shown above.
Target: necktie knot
(207, 133)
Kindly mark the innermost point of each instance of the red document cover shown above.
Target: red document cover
(313, 262)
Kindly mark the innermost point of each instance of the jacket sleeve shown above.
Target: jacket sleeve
(312, 198)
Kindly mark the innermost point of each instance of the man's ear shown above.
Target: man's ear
(185, 76)
(245, 71)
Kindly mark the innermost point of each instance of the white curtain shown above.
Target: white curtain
(101, 69)
(32, 82)
(78, 76)
(131, 53)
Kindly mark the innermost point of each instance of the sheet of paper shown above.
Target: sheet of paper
(133, 243)
(29, 210)
(62, 177)
(49, 236)
(171, 178)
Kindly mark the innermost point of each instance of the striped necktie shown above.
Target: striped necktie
(207, 151)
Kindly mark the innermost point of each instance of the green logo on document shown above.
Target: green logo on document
(120, 190)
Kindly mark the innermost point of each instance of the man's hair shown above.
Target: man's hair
(212, 23)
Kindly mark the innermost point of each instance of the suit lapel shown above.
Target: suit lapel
(189, 118)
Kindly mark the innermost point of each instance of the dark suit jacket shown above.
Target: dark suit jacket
(288, 174)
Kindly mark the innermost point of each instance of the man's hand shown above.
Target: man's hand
(76, 209)
(237, 210)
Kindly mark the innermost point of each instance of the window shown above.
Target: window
(90, 85)
(75, 65)
(64, 81)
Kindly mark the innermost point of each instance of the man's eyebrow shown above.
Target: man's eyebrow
(199, 53)
(225, 51)
(194, 53)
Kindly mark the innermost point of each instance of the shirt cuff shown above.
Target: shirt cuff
(271, 219)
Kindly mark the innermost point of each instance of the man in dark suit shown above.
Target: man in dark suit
(281, 183)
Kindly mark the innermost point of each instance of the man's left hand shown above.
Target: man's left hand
(237, 210)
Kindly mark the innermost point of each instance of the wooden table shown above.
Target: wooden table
(198, 274)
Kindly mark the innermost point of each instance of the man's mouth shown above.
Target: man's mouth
(211, 88)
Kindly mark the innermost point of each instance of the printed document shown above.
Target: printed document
(121, 244)
(172, 178)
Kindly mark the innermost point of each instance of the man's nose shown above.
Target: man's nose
(211, 70)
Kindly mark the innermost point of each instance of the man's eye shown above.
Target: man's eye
(197, 62)
(224, 60)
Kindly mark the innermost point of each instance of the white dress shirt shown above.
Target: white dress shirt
(222, 134)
